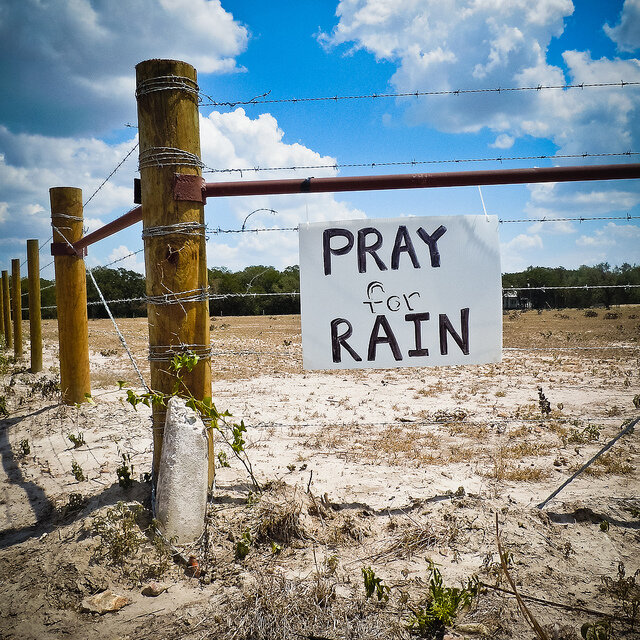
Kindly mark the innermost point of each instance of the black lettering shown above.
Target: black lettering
(403, 243)
(387, 338)
(363, 249)
(447, 327)
(431, 241)
(417, 319)
(328, 251)
(338, 341)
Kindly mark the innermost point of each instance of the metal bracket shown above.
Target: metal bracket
(188, 188)
(63, 249)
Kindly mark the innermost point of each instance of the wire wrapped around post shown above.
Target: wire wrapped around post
(174, 231)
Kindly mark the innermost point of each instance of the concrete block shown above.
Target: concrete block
(181, 490)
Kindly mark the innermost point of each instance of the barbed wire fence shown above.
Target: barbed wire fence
(211, 295)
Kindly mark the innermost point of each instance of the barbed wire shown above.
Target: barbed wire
(92, 196)
(340, 165)
(264, 99)
(223, 296)
(500, 221)
(579, 287)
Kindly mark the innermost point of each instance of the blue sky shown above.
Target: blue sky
(70, 71)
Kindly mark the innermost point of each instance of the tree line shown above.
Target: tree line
(600, 274)
(228, 289)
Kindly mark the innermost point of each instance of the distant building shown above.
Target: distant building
(513, 300)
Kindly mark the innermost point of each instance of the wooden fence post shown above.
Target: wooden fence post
(8, 337)
(173, 232)
(2, 330)
(16, 303)
(71, 296)
(35, 321)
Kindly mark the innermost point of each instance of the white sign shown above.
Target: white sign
(405, 292)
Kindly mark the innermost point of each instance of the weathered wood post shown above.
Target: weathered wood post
(2, 331)
(8, 337)
(173, 232)
(71, 294)
(16, 305)
(35, 321)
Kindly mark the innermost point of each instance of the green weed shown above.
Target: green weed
(442, 606)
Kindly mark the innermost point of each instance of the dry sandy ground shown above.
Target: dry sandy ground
(384, 469)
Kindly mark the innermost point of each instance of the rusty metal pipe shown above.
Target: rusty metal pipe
(423, 180)
(371, 183)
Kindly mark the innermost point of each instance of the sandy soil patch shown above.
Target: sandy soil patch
(389, 470)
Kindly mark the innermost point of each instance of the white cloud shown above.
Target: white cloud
(31, 164)
(626, 34)
(503, 141)
(81, 55)
(556, 200)
(465, 44)
(614, 237)
(524, 242)
(126, 259)
(519, 252)
(234, 140)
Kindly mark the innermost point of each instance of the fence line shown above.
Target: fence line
(372, 165)
(222, 296)
(263, 98)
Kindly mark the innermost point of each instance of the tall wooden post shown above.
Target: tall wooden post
(8, 336)
(173, 231)
(2, 331)
(71, 296)
(16, 304)
(35, 324)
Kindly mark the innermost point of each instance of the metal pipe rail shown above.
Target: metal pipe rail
(195, 189)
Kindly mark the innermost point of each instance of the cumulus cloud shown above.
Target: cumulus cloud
(31, 164)
(464, 44)
(626, 34)
(80, 56)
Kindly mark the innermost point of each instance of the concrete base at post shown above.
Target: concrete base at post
(181, 490)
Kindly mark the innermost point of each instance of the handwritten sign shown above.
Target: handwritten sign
(405, 292)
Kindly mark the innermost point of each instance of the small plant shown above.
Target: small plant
(76, 440)
(373, 584)
(4, 411)
(626, 590)
(600, 630)
(223, 461)
(77, 472)
(604, 526)
(231, 433)
(443, 605)
(119, 532)
(545, 405)
(76, 501)
(25, 448)
(243, 545)
(125, 472)
(590, 313)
